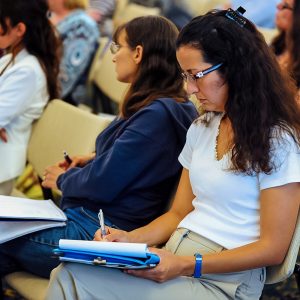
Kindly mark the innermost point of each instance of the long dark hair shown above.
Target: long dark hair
(159, 74)
(40, 38)
(280, 44)
(260, 97)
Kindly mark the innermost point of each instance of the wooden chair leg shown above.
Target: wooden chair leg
(1, 289)
(47, 193)
(297, 275)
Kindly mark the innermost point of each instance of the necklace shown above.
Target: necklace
(216, 142)
(227, 131)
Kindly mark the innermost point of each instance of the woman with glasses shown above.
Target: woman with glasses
(135, 170)
(28, 79)
(287, 44)
(238, 198)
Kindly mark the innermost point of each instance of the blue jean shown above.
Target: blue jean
(33, 252)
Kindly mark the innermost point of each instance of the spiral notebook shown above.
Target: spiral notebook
(107, 254)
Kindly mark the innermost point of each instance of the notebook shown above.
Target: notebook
(107, 254)
(20, 216)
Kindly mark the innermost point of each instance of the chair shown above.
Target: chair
(131, 10)
(107, 88)
(268, 33)
(288, 267)
(61, 127)
(121, 4)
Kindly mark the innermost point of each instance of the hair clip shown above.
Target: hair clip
(237, 16)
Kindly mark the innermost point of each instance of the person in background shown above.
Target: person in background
(28, 79)
(134, 171)
(80, 36)
(286, 45)
(174, 10)
(102, 12)
(238, 198)
(261, 13)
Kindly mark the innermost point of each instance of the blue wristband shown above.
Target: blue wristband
(198, 265)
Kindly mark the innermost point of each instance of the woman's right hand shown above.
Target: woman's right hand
(77, 161)
(113, 235)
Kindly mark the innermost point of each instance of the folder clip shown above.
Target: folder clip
(99, 261)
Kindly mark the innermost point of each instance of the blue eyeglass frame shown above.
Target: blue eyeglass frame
(201, 73)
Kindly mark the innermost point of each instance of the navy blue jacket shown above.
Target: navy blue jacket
(136, 167)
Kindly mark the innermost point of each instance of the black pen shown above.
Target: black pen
(67, 158)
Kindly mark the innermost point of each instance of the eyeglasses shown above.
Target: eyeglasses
(192, 78)
(114, 47)
(285, 5)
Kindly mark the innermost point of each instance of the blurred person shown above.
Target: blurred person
(134, 171)
(261, 13)
(287, 44)
(174, 10)
(102, 12)
(80, 36)
(28, 79)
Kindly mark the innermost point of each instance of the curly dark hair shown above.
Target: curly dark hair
(260, 97)
(159, 74)
(279, 43)
(40, 38)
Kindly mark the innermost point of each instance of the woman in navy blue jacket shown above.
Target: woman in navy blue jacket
(134, 171)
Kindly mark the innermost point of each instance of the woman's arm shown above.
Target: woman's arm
(159, 230)
(52, 173)
(278, 215)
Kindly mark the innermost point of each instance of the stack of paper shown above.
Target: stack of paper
(20, 216)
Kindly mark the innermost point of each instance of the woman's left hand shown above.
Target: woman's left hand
(50, 176)
(170, 266)
(3, 135)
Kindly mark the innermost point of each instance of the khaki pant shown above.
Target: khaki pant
(76, 281)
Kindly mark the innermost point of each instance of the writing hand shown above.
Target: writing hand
(112, 235)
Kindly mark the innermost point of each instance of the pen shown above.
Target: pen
(67, 158)
(101, 221)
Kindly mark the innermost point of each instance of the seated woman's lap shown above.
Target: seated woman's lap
(71, 279)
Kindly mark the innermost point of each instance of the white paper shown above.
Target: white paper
(12, 229)
(22, 208)
(125, 249)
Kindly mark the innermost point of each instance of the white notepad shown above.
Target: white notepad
(20, 216)
(127, 249)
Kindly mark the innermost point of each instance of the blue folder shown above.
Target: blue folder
(108, 260)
